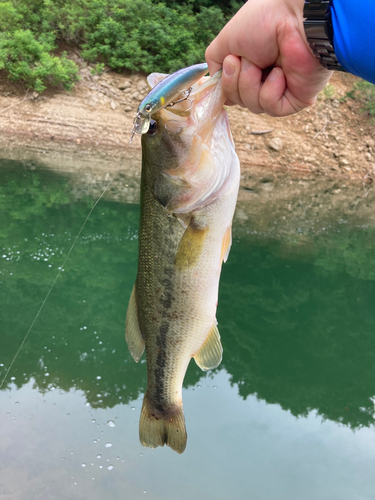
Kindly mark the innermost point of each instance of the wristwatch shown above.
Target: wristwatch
(319, 32)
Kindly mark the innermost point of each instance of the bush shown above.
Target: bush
(137, 34)
(10, 19)
(141, 35)
(29, 60)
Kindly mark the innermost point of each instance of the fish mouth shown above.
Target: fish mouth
(199, 129)
(207, 98)
(199, 112)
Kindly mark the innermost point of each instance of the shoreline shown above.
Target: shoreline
(94, 122)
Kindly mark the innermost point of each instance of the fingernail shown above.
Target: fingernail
(274, 75)
(228, 68)
(245, 64)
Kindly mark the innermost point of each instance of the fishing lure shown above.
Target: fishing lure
(164, 93)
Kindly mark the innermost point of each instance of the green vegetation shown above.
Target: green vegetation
(328, 92)
(364, 92)
(27, 56)
(142, 35)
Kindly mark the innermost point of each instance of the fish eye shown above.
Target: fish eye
(153, 127)
(148, 108)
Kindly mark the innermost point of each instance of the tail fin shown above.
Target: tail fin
(157, 430)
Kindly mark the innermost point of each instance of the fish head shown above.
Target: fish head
(188, 150)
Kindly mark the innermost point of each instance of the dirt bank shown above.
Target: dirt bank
(333, 138)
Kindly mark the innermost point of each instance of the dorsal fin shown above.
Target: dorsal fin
(154, 78)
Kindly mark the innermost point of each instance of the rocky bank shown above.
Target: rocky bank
(334, 138)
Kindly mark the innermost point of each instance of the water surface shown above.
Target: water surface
(288, 414)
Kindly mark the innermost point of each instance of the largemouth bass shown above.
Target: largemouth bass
(189, 187)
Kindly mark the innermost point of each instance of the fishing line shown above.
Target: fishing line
(61, 268)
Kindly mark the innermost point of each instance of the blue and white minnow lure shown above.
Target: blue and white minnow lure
(164, 93)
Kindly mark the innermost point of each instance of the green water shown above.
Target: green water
(289, 414)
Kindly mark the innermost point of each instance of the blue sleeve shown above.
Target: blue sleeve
(354, 36)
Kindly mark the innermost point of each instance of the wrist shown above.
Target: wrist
(296, 7)
(319, 32)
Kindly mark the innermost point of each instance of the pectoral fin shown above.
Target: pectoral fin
(133, 333)
(227, 243)
(190, 246)
(210, 354)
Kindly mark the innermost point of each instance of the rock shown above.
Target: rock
(135, 96)
(317, 126)
(276, 144)
(93, 102)
(340, 153)
(343, 162)
(35, 95)
(142, 85)
(124, 85)
(309, 159)
(113, 105)
(128, 108)
(368, 156)
(335, 103)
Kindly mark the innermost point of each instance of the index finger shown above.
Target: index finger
(214, 56)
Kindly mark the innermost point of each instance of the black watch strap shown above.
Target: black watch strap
(319, 33)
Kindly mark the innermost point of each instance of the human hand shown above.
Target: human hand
(265, 34)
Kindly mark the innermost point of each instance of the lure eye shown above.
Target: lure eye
(153, 127)
(148, 108)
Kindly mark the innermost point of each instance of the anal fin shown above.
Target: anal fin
(133, 334)
(210, 354)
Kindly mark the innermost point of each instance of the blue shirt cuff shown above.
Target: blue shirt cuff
(354, 36)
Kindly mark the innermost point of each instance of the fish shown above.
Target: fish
(189, 187)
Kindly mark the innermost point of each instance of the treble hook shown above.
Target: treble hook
(183, 99)
(135, 125)
(132, 137)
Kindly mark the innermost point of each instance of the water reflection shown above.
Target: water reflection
(295, 311)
